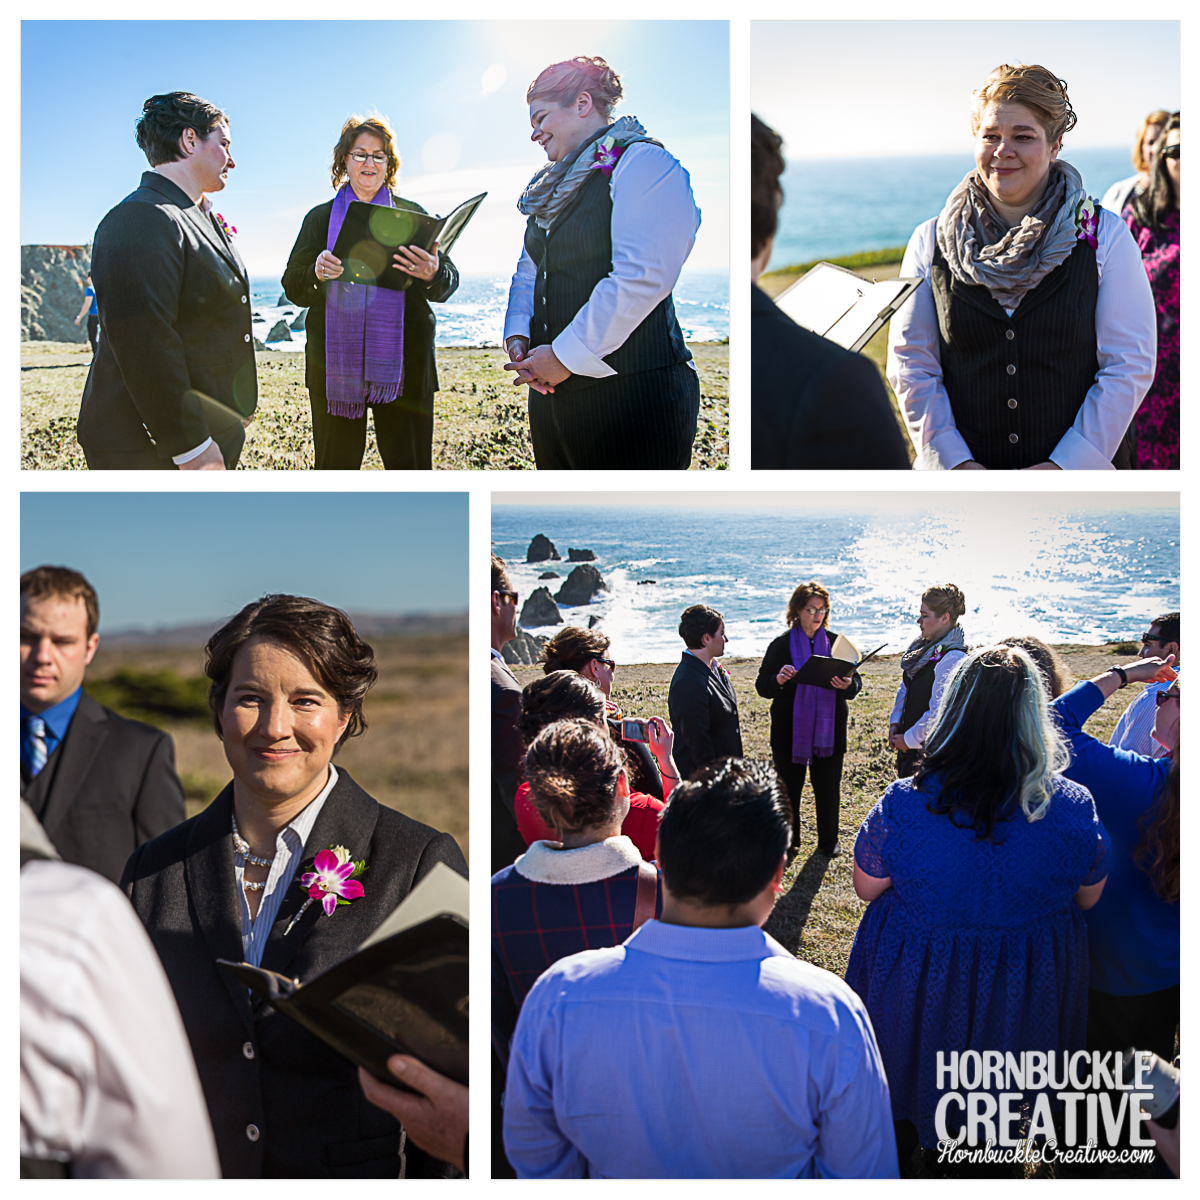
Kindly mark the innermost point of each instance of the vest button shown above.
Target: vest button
(248, 1050)
(1008, 333)
(245, 337)
(1012, 437)
(543, 299)
(1012, 404)
(252, 1132)
(545, 327)
(1011, 369)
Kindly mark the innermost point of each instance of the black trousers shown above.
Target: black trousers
(403, 433)
(640, 422)
(230, 439)
(1144, 1022)
(826, 777)
(93, 328)
(906, 763)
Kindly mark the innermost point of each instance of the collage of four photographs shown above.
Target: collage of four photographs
(820, 841)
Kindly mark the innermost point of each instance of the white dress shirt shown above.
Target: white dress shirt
(654, 224)
(914, 738)
(1137, 722)
(108, 1083)
(1126, 344)
(289, 844)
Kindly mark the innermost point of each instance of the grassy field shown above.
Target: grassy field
(412, 758)
(479, 417)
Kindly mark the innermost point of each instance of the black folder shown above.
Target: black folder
(371, 232)
(819, 669)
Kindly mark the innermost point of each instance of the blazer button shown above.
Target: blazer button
(1012, 437)
(246, 338)
(1008, 333)
(1011, 369)
(244, 301)
(248, 1049)
(252, 1132)
(1012, 404)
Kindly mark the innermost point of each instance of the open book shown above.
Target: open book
(843, 659)
(843, 306)
(371, 232)
(405, 990)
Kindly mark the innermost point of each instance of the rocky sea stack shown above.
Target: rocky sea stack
(539, 610)
(582, 584)
(541, 549)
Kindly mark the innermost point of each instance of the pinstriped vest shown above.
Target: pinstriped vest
(571, 258)
(1017, 383)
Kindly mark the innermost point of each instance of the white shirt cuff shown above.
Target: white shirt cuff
(1075, 453)
(912, 745)
(945, 452)
(180, 459)
(577, 358)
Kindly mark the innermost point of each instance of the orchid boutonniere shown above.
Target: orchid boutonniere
(333, 880)
(230, 230)
(606, 155)
(938, 654)
(1087, 221)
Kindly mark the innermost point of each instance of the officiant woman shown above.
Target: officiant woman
(367, 347)
(808, 723)
(289, 676)
(591, 324)
(1032, 340)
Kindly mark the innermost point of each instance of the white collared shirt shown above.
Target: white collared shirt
(1126, 346)
(654, 224)
(1137, 723)
(289, 845)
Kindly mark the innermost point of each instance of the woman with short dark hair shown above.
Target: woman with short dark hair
(701, 700)
(395, 375)
(290, 868)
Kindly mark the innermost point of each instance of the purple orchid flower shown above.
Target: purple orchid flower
(331, 879)
(606, 157)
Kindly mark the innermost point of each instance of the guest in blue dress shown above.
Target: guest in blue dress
(977, 870)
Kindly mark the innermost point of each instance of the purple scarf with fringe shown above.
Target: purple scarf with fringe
(364, 332)
(812, 713)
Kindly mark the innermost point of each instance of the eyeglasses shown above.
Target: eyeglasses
(815, 612)
(608, 662)
(361, 156)
(512, 595)
(1171, 151)
(1160, 698)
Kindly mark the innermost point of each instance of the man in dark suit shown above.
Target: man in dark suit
(174, 381)
(508, 747)
(99, 784)
(814, 405)
(701, 701)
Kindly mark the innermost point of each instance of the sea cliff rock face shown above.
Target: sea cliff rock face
(582, 584)
(52, 283)
(540, 609)
(541, 549)
(525, 649)
(279, 332)
(580, 556)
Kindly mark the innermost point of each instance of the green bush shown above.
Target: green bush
(1125, 649)
(852, 262)
(157, 697)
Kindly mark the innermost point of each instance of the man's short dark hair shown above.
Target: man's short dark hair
(64, 584)
(1168, 626)
(165, 117)
(696, 622)
(499, 575)
(724, 832)
(766, 193)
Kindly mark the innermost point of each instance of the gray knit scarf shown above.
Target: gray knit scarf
(555, 183)
(980, 248)
(920, 651)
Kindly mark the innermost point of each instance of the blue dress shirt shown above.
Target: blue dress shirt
(58, 720)
(696, 1053)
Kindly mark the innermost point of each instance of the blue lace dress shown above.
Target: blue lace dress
(975, 945)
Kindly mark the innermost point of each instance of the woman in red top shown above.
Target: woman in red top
(564, 694)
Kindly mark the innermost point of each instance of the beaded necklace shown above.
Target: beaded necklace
(242, 847)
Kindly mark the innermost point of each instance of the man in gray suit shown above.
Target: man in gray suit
(100, 784)
(174, 380)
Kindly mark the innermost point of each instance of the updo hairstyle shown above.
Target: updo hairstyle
(572, 648)
(572, 768)
(945, 598)
(563, 82)
(558, 696)
(1039, 90)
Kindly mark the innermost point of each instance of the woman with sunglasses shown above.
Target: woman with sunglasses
(808, 723)
(1133, 931)
(1030, 343)
(395, 375)
(1153, 219)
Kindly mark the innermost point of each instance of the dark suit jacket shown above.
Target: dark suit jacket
(301, 286)
(257, 1066)
(813, 404)
(109, 786)
(783, 699)
(704, 715)
(174, 300)
(508, 762)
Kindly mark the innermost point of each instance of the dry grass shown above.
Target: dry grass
(479, 417)
(413, 757)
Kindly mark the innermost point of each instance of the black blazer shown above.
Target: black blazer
(813, 404)
(174, 301)
(109, 786)
(301, 286)
(783, 700)
(704, 715)
(259, 1068)
(508, 764)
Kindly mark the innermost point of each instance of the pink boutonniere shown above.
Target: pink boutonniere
(938, 654)
(230, 230)
(333, 880)
(607, 153)
(1087, 222)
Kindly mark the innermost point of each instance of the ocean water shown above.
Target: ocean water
(474, 315)
(847, 206)
(1069, 574)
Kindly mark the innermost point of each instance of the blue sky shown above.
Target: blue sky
(173, 559)
(454, 91)
(886, 89)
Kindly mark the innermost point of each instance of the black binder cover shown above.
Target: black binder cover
(820, 669)
(371, 232)
(407, 994)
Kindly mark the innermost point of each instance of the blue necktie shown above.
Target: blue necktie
(36, 743)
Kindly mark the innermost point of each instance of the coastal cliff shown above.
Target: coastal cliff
(52, 283)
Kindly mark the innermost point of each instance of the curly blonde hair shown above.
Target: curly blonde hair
(376, 126)
(1039, 90)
